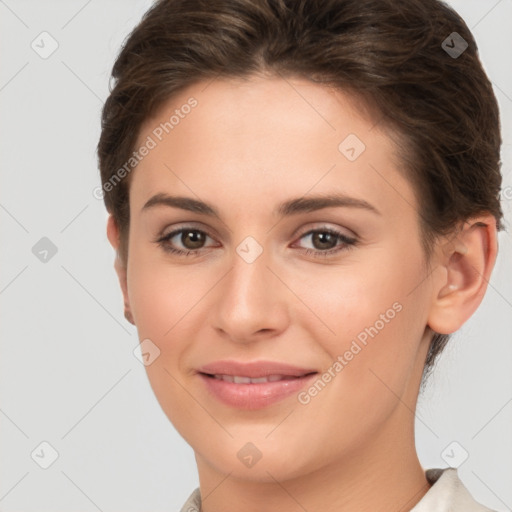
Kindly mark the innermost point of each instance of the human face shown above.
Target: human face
(283, 295)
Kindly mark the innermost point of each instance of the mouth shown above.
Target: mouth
(239, 379)
(252, 393)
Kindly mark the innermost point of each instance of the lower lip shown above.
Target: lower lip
(254, 396)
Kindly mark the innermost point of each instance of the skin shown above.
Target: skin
(248, 146)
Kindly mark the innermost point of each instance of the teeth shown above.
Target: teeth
(241, 380)
(247, 380)
(260, 379)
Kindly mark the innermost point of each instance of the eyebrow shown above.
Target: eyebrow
(287, 208)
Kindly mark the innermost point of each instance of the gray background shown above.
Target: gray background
(68, 373)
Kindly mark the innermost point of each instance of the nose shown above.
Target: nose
(251, 303)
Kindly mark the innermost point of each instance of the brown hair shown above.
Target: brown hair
(393, 55)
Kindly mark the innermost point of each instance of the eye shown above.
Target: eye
(191, 239)
(325, 242)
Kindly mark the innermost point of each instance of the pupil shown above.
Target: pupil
(324, 238)
(197, 239)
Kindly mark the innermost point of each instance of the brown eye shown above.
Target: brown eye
(184, 242)
(324, 240)
(193, 239)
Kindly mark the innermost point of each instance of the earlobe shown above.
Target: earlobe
(466, 268)
(120, 266)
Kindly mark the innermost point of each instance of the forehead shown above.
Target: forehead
(266, 138)
(264, 102)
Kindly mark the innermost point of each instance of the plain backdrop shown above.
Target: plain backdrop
(68, 374)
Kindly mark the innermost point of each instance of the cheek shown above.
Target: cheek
(160, 295)
(344, 299)
(371, 312)
(164, 302)
(377, 324)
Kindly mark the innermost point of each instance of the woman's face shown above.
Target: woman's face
(277, 276)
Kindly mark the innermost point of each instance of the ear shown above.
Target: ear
(465, 266)
(120, 266)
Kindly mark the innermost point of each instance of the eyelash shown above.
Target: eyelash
(347, 242)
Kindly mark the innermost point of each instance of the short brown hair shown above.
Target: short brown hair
(393, 55)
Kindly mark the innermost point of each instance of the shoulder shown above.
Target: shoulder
(193, 503)
(447, 494)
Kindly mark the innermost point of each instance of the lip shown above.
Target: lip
(253, 396)
(254, 369)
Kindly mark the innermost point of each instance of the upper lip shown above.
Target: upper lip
(254, 369)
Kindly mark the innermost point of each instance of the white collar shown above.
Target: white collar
(447, 494)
